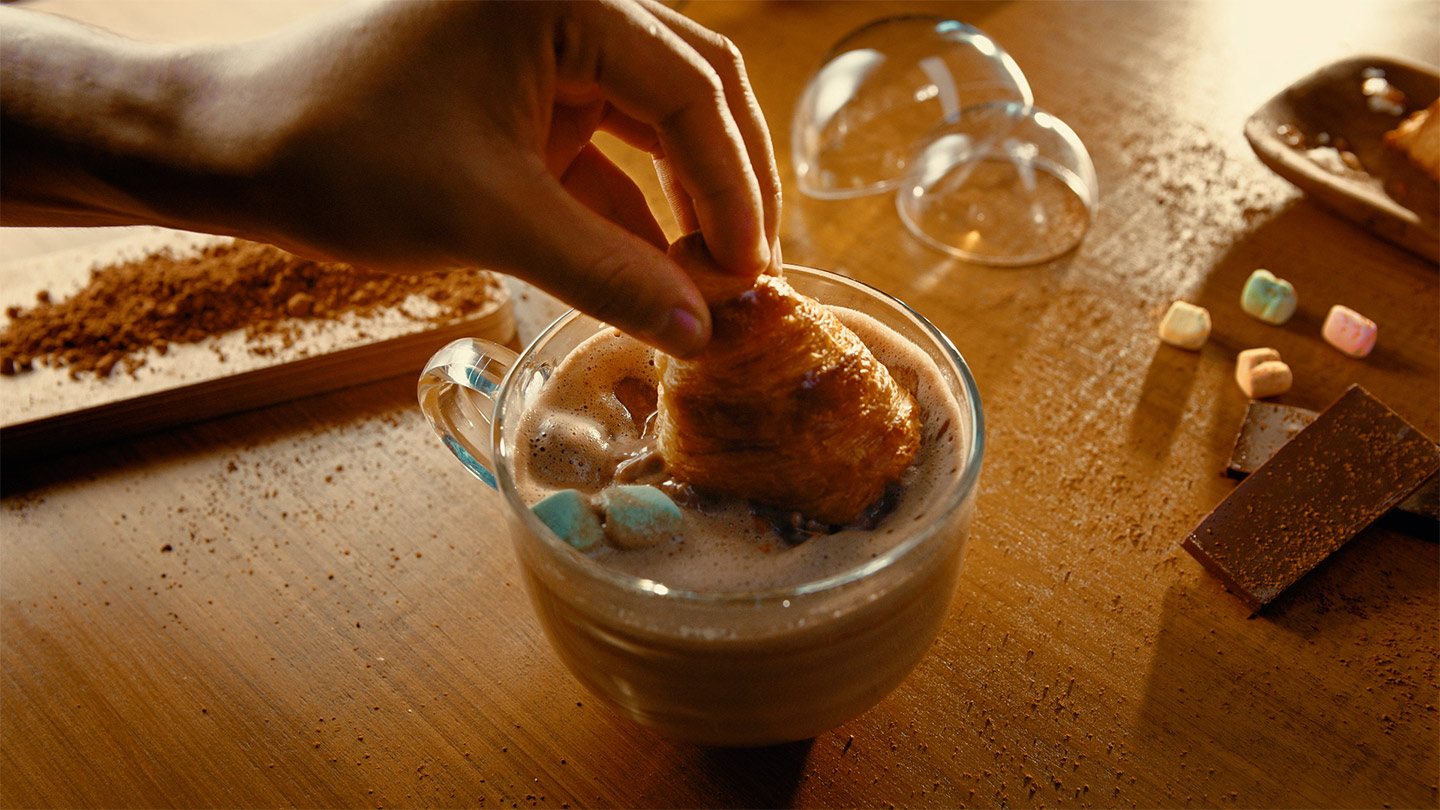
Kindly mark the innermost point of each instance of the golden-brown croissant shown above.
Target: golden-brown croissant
(1418, 137)
(1410, 165)
(785, 407)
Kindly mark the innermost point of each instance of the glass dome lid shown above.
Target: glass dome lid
(881, 93)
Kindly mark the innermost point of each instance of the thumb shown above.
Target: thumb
(602, 269)
(716, 285)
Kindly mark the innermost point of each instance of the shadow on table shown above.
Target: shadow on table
(1334, 675)
(1160, 410)
(755, 777)
(1321, 279)
(248, 429)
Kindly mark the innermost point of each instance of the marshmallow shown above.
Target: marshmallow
(1261, 373)
(1185, 325)
(638, 515)
(1268, 298)
(1349, 331)
(568, 514)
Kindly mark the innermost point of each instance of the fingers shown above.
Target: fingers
(715, 285)
(566, 241)
(605, 189)
(571, 128)
(643, 137)
(680, 203)
(744, 108)
(653, 75)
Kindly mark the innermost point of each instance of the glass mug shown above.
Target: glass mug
(718, 668)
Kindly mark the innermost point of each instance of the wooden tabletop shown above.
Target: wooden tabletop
(310, 605)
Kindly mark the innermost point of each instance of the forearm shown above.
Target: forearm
(98, 130)
(409, 136)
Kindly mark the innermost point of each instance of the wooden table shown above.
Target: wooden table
(309, 604)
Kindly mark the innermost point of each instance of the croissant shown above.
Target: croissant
(785, 407)
(1418, 137)
(1410, 163)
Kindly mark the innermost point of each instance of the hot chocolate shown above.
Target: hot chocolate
(589, 430)
(718, 622)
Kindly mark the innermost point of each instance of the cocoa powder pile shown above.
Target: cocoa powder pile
(166, 299)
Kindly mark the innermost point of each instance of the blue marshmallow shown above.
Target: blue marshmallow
(569, 515)
(1268, 298)
(639, 515)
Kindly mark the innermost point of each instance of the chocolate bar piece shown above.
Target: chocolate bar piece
(1332, 479)
(1268, 425)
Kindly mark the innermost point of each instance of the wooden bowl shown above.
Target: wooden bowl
(1387, 195)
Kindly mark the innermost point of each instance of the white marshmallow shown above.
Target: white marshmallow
(1185, 325)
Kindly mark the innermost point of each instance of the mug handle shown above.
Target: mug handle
(457, 395)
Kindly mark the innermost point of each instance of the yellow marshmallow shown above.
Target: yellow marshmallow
(1185, 325)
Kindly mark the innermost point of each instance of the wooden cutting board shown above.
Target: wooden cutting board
(46, 410)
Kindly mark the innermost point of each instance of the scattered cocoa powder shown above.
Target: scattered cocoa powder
(168, 298)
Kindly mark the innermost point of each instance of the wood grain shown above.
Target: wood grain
(338, 622)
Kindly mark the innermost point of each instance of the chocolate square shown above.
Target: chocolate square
(1356, 461)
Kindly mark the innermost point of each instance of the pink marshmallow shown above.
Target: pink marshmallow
(1349, 331)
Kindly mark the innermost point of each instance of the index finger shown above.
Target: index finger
(725, 58)
(651, 74)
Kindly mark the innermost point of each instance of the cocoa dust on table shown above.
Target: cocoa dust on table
(167, 298)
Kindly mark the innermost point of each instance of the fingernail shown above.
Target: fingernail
(680, 333)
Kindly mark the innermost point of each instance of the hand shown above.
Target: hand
(418, 135)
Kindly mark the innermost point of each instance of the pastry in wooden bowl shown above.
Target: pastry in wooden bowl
(785, 407)
(1419, 138)
(1412, 164)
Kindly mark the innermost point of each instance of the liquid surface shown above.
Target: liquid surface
(590, 419)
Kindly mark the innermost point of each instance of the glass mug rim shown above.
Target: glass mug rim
(955, 496)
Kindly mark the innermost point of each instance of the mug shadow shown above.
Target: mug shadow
(767, 776)
(670, 772)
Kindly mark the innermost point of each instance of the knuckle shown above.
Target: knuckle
(700, 83)
(730, 53)
(724, 57)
